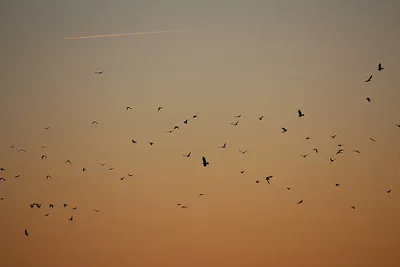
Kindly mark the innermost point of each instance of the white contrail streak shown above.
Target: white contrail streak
(133, 33)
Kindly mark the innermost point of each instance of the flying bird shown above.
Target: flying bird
(2, 169)
(301, 201)
(122, 178)
(21, 150)
(332, 160)
(151, 143)
(337, 184)
(128, 108)
(12, 146)
(316, 150)
(388, 191)
(304, 156)
(176, 127)
(333, 136)
(26, 232)
(3, 179)
(68, 161)
(284, 130)
(238, 116)
(185, 121)
(51, 206)
(339, 151)
(257, 181)
(74, 208)
(235, 124)
(224, 146)
(243, 152)
(380, 68)
(188, 155)
(353, 207)
(48, 177)
(130, 174)
(398, 125)
(301, 114)
(288, 188)
(134, 141)
(357, 151)
(99, 72)
(47, 214)
(47, 128)
(307, 138)
(241, 172)
(195, 116)
(260, 118)
(110, 169)
(183, 207)
(17, 176)
(205, 162)
(372, 139)
(96, 210)
(84, 170)
(201, 194)
(369, 79)
(159, 108)
(71, 218)
(368, 99)
(65, 205)
(95, 122)
(268, 178)
(44, 156)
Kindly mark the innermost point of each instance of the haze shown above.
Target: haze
(259, 58)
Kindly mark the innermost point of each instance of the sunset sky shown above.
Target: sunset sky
(253, 57)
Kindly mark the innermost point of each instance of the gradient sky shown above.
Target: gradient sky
(267, 58)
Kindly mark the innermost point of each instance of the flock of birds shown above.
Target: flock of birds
(204, 160)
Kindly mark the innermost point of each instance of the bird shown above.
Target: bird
(95, 122)
(201, 194)
(12, 146)
(205, 162)
(357, 151)
(339, 151)
(176, 127)
(47, 214)
(68, 161)
(101, 164)
(74, 208)
(301, 201)
(134, 141)
(332, 160)
(369, 79)
(170, 131)
(257, 181)
(130, 174)
(26, 232)
(99, 72)
(185, 121)
(43, 146)
(2, 169)
(372, 139)
(1, 198)
(183, 207)
(368, 99)
(128, 108)
(284, 130)
(235, 124)
(301, 114)
(238, 116)
(260, 118)
(47, 128)
(122, 178)
(307, 138)
(288, 188)
(243, 152)
(3, 179)
(151, 143)
(337, 184)
(398, 125)
(333, 136)
(242, 172)
(22, 150)
(71, 218)
(48, 177)
(195, 116)
(159, 108)
(65, 205)
(51, 206)
(44, 157)
(96, 210)
(17, 176)
(84, 169)
(380, 67)
(224, 146)
(388, 191)
(304, 156)
(316, 150)
(110, 169)
(268, 178)
(353, 207)
(188, 155)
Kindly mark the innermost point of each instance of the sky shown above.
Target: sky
(253, 58)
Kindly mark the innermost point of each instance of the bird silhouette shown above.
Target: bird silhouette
(288, 188)
(130, 174)
(372, 139)
(388, 191)
(257, 181)
(188, 155)
(183, 207)
(46, 128)
(340, 151)
(71, 218)
(301, 114)
(110, 169)
(43, 146)
(195, 116)
(68, 161)
(243, 152)
(101, 164)
(2, 169)
(241, 172)
(205, 162)
(307, 138)
(398, 125)
(316, 150)
(26, 232)
(51, 206)
(284, 130)
(128, 108)
(201, 194)
(333, 136)
(151, 143)
(22, 150)
(176, 127)
(122, 178)
(170, 131)
(337, 184)
(65, 205)
(3, 179)
(301, 201)
(134, 141)
(238, 116)
(44, 157)
(268, 178)
(357, 151)
(99, 72)
(84, 169)
(96, 210)
(48, 177)
(47, 214)
(12, 146)
(159, 108)
(185, 121)
(17, 176)
(368, 99)
(353, 207)
(95, 122)
(260, 118)
(235, 124)
(380, 68)
(369, 79)
(332, 160)
(224, 146)
(304, 156)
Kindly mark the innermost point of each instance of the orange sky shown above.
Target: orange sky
(268, 58)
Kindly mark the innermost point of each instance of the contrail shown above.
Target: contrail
(134, 33)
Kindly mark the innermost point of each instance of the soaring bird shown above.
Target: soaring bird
(84, 169)
(21, 150)
(268, 178)
(304, 156)
(357, 151)
(372, 139)
(95, 122)
(134, 141)
(26, 232)
(301, 201)
(12, 146)
(243, 152)
(307, 138)
(369, 79)
(51, 206)
(185, 121)
(332, 160)
(257, 181)
(238, 116)
(205, 162)
(159, 108)
(17, 176)
(128, 108)
(235, 124)
(242, 172)
(47, 128)
(101, 164)
(339, 151)
(130, 174)
(284, 130)
(47, 214)
(368, 99)
(316, 150)
(353, 207)
(110, 169)
(99, 72)
(44, 156)
(337, 184)
(122, 178)
(288, 188)
(224, 146)
(48, 177)
(301, 114)
(176, 127)
(183, 207)
(170, 131)
(3, 179)
(2, 169)
(260, 118)
(65, 205)
(380, 67)
(201, 194)
(151, 143)
(43, 146)
(195, 116)
(398, 125)
(333, 136)
(71, 218)
(96, 210)
(68, 161)
(188, 155)
(74, 208)
(388, 191)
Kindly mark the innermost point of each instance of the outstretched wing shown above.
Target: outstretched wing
(204, 160)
